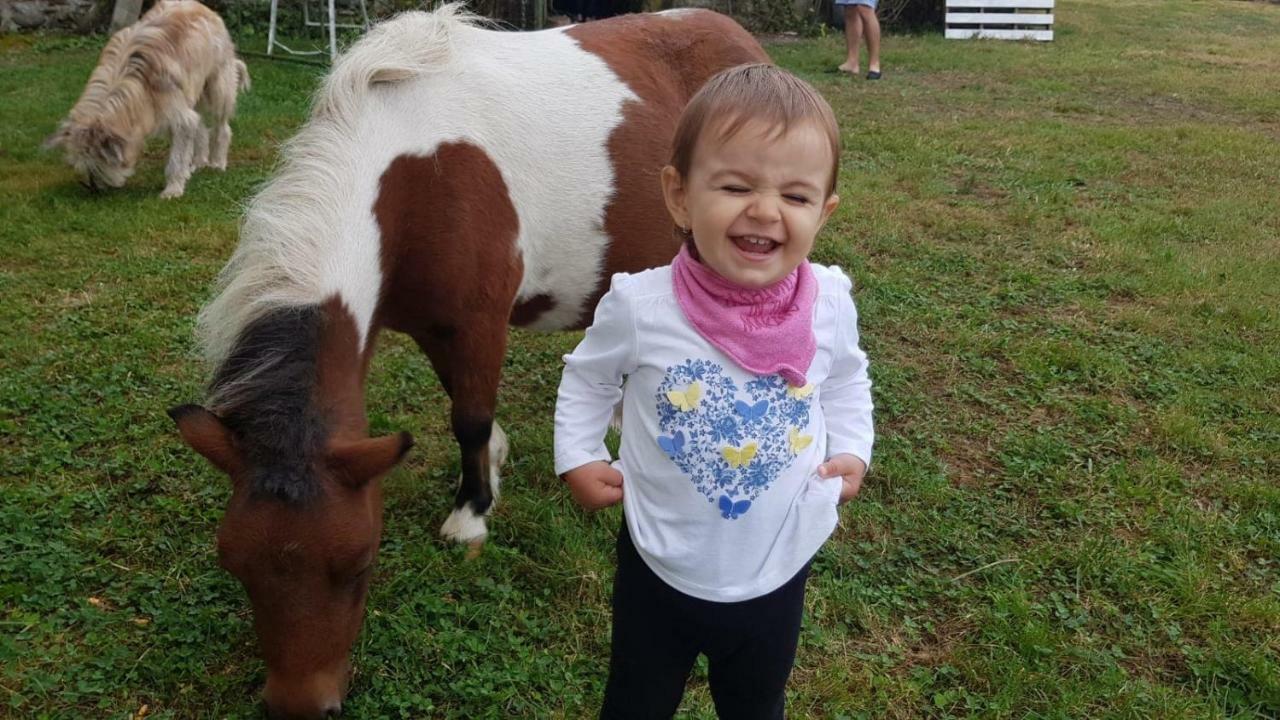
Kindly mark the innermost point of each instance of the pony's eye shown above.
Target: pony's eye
(357, 581)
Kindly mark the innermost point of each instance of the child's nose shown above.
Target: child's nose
(764, 209)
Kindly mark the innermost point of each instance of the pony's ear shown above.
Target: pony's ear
(356, 463)
(113, 148)
(206, 434)
(58, 137)
(108, 143)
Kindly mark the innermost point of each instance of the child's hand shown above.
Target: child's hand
(850, 468)
(595, 486)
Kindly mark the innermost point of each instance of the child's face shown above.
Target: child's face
(755, 200)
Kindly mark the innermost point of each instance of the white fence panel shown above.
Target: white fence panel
(1000, 19)
(1020, 4)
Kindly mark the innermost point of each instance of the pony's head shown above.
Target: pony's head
(303, 556)
(286, 423)
(103, 157)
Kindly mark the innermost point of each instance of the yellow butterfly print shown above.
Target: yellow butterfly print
(737, 457)
(798, 442)
(687, 399)
(800, 393)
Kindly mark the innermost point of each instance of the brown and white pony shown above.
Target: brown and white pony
(452, 180)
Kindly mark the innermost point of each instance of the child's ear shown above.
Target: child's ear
(673, 191)
(829, 207)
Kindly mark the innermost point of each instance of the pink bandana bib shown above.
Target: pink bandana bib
(765, 331)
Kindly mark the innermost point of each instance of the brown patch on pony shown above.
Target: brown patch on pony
(434, 212)
(527, 312)
(450, 274)
(664, 69)
(341, 367)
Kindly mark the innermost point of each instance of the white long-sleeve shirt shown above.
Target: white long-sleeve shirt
(720, 487)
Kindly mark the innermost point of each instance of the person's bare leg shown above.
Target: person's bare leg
(871, 28)
(852, 39)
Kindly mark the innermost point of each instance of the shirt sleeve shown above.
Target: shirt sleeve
(846, 394)
(592, 381)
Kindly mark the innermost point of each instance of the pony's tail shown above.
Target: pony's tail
(242, 76)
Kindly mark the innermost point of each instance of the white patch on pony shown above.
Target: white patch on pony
(542, 109)
(499, 449)
(463, 525)
(678, 13)
(561, 184)
(539, 105)
(310, 233)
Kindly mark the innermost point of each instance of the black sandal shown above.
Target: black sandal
(873, 75)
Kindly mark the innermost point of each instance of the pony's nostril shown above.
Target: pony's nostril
(272, 713)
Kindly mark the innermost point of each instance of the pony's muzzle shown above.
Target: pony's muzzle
(324, 713)
(313, 697)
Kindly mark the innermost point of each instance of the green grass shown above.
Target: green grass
(1067, 263)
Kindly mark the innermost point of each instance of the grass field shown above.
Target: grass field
(1067, 263)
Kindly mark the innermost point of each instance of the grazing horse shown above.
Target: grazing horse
(452, 180)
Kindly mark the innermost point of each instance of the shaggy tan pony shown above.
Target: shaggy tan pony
(154, 76)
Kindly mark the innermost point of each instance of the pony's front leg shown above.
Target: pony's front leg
(185, 131)
(478, 486)
(468, 361)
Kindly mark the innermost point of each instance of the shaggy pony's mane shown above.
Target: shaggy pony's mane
(118, 86)
(292, 237)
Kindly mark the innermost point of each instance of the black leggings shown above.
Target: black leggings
(659, 631)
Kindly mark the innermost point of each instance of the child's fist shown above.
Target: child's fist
(595, 486)
(850, 468)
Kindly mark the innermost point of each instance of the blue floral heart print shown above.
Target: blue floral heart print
(731, 442)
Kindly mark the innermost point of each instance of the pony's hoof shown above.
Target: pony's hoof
(171, 193)
(464, 526)
(473, 549)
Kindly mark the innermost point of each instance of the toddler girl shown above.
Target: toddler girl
(746, 406)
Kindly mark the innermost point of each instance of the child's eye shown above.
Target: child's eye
(735, 189)
(797, 199)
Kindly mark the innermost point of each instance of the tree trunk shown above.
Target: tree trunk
(125, 14)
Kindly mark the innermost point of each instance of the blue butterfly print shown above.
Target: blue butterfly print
(730, 510)
(673, 445)
(751, 412)
(756, 413)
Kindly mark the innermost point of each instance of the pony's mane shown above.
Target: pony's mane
(263, 391)
(292, 230)
(118, 87)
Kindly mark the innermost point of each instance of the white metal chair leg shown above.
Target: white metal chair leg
(271, 28)
(333, 32)
(332, 25)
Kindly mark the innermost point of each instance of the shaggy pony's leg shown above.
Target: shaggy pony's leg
(200, 154)
(218, 146)
(219, 100)
(184, 127)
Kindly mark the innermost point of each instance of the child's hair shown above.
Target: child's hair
(765, 93)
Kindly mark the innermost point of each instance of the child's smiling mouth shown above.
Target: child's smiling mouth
(754, 245)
